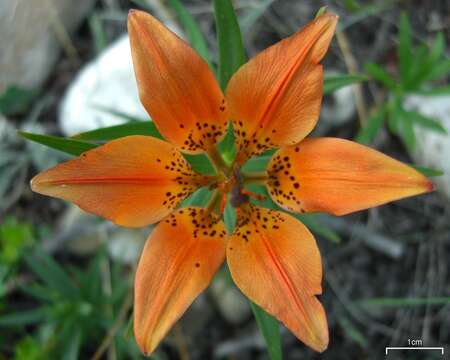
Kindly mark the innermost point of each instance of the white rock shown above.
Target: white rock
(28, 40)
(107, 82)
(433, 149)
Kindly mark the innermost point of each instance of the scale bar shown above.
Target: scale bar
(415, 348)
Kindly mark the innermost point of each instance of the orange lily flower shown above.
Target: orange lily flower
(273, 101)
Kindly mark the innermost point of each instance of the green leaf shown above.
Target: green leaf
(407, 133)
(69, 146)
(29, 349)
(428, 172)
(194, 34)
(72, 347)
(231, 49)
(420, 69)
(52, 274)
(425, 121)
(404, 48)
(334, 82)
(270, 330)
(147, 128)
(24, 317)
(394, 113)
(381, 75)
(438, 47)
(198, 198)
(440, 70)
(16, 100)
(200, 163)
(258, 163)
(367, 134)
(14, 237)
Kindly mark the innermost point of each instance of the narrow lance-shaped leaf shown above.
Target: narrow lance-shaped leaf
(52, 274)
(69, 146)
(379, 74)
(428, 172)
(441, 69)
(425, 121)
(334, 82)
(367, 133)
(147, 128)
(407, 132)
(231, 49)
(270, 329)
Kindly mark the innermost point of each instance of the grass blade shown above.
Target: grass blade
(428, 172)
(69, 146)
(381, 75)
(231, 49)
(24, 317)
(52, 274)
(425, 121)
(270, 330)
(335, 82)
(147, 128)
(367, 134)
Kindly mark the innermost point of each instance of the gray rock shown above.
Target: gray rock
(28, 37)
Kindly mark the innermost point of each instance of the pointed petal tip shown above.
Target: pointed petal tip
(35, 183)
(322, 342)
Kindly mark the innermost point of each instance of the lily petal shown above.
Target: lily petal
(274, 100)
(178, 262)
(274, 260)
(339, 177)
(176, 86)
(133, 181)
